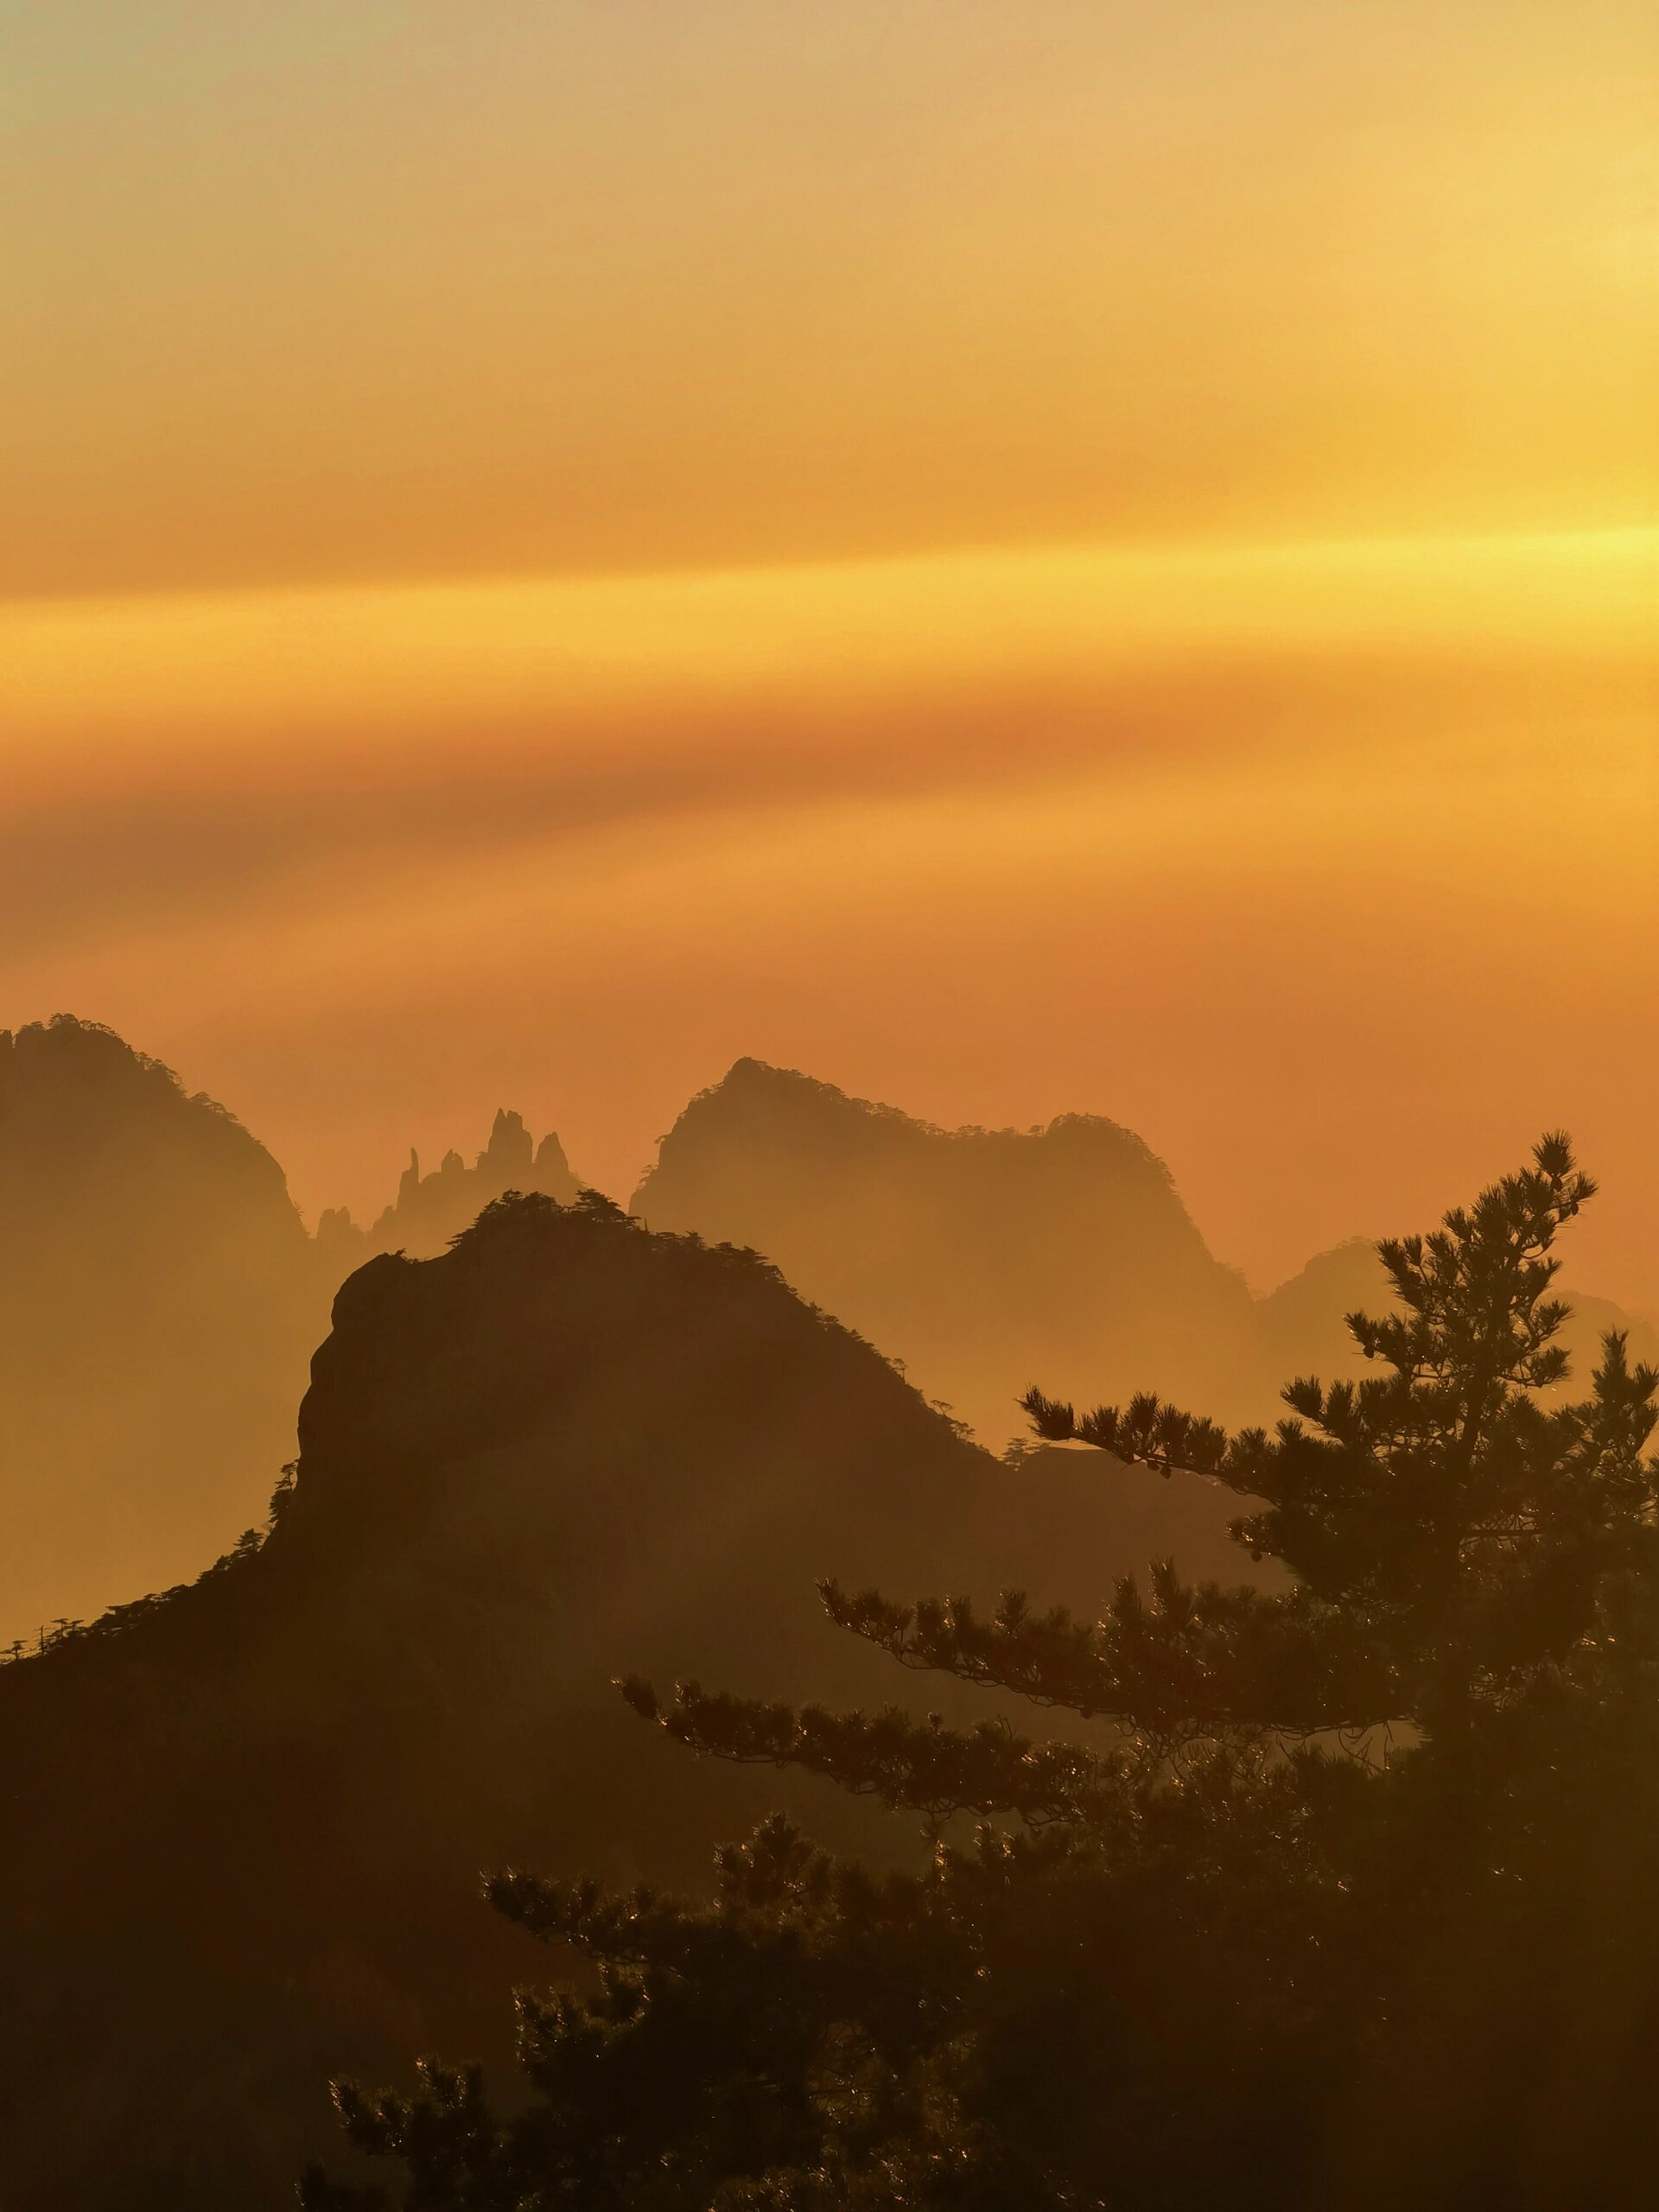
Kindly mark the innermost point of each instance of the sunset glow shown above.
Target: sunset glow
(1075, 556)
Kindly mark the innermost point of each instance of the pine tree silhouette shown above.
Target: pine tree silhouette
(1381, 1843)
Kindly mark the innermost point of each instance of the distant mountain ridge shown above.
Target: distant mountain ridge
(159, 1298)
(987, 1259)
(990, 1259)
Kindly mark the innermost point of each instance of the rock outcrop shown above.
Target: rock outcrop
(430, 1210)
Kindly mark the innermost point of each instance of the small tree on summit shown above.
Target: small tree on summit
(1385, 1843)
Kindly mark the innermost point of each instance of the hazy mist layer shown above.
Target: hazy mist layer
(1083, 557)
(1327, 868)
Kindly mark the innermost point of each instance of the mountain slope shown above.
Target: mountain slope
(987, 1259)
(247, 1820)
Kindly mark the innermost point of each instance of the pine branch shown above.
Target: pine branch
(1198, 1663)
(921, 1766)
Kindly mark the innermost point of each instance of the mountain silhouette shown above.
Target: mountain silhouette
(160, 1300)
(429, 1210)
(159, 1297)
(248, 1816)
(987, 1259)
(991, 1259)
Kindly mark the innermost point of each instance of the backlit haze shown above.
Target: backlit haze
(1019, 557)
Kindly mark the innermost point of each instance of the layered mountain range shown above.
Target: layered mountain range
(160, 1297)
(540, 1448)
(247, 1819)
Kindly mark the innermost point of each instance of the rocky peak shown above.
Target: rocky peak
(429, 1210)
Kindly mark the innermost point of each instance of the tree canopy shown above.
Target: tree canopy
(1340, 1894)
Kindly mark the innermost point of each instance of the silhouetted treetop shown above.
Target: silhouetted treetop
(1381, 1840)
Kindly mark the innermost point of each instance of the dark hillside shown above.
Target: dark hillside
(246, 1820)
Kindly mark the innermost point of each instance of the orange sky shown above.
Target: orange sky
(1019, 558)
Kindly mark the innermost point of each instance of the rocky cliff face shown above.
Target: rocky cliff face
(987, 1260)
(248, 1819)
(159, 1299)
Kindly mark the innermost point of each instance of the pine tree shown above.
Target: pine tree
(1383, 1840)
